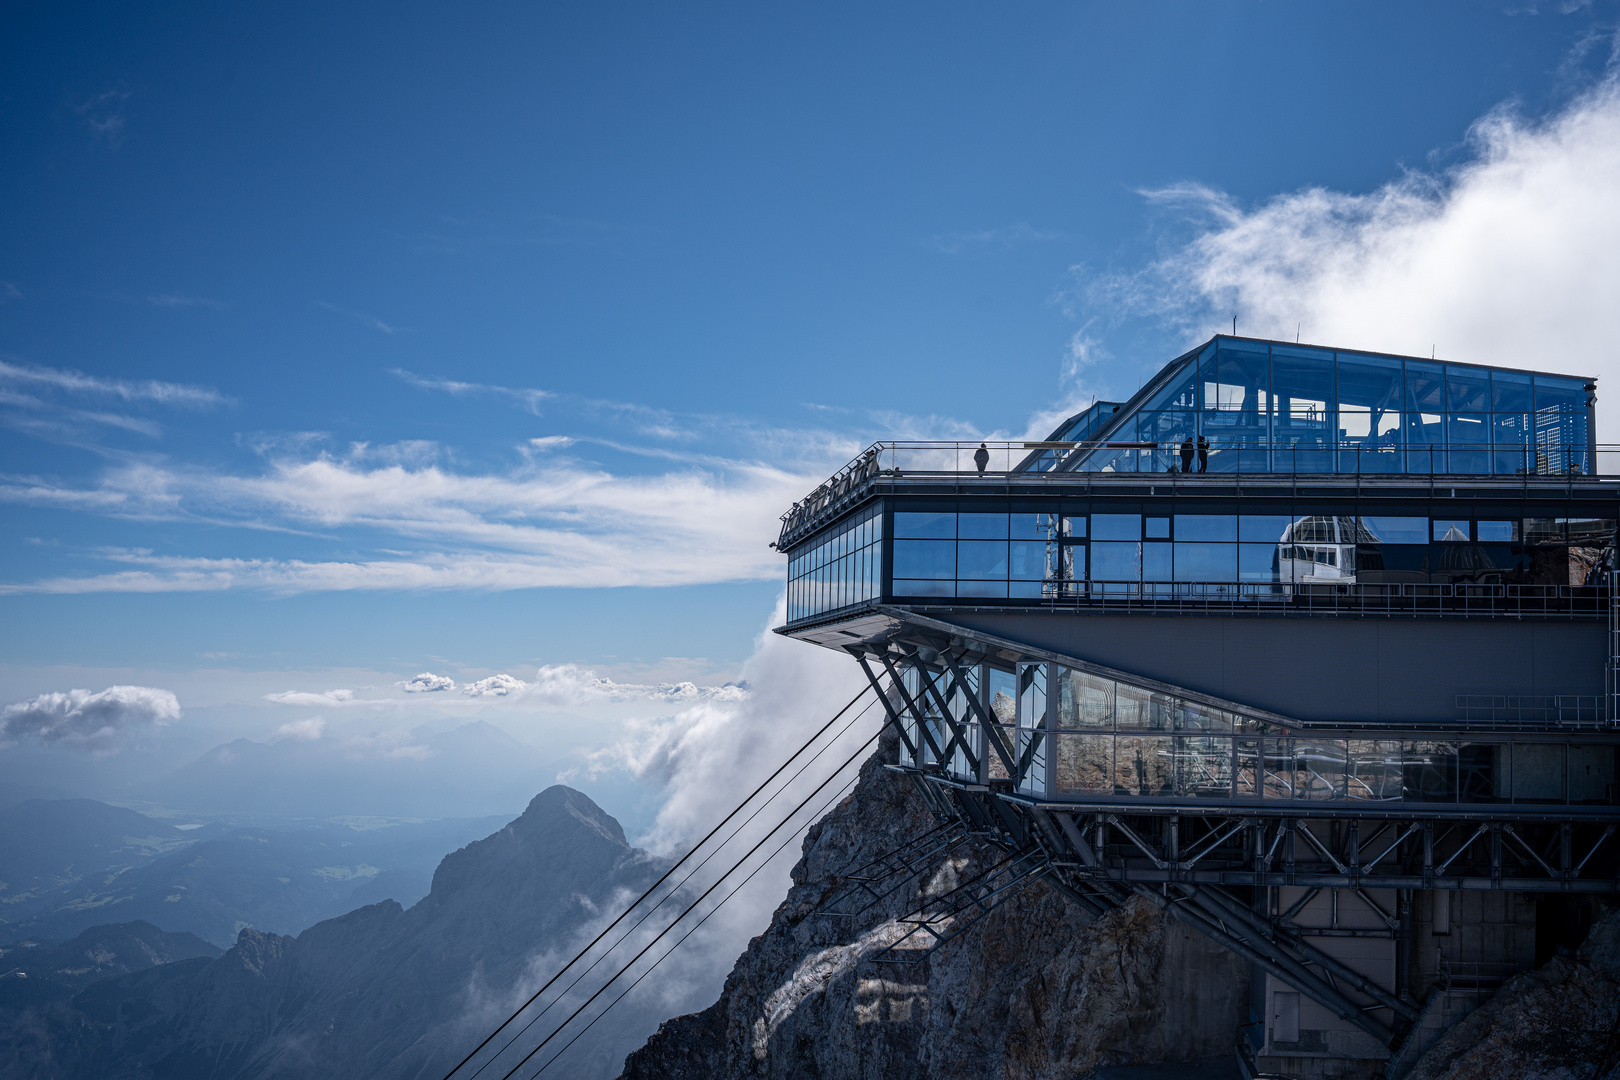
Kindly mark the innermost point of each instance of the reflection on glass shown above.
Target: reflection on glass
(1002, 689)
(1137, 709)
(1484, 772)
(1319, 769)
(1374, 772)
(925, 526)
(1032, 719)
(1429, 771)
(1084, 700)
(1084, 764)
(1197, 717)
(1143, 765)
(1203, 767)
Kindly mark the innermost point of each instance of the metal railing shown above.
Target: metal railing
(1033, 461)
(1559, 710)
(1370, 598)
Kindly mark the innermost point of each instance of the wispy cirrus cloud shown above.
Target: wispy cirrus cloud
(369, 320)
(181, 300)
(528, 397)
(69, 381)
(568, 523)
(1007, 236)
(103, 114)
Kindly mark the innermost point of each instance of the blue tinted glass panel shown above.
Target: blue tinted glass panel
(1116, 562)
(1267, 528)
(1257, 562)
(1468, 389)
(980, 559)
(1243, 380)
(1182, 390)
(1497, 532)
(1371, 383)
(981, 526)
(1033, 526)
(1027, 560)
(1116, 526)
(1206, 562)
(1207, 526)
(1510, 392)
(924, 559)
(982, 589)
(925, 526)
(1303, 380)
(1425, 386)
(1396, 530)
(1157, 528)
(1450, 530)
(1565, 395)
(1156, 562)
(923, 588)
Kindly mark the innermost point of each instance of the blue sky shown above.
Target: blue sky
(401, 338)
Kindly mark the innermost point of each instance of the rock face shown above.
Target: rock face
(1036, 990)
(379, 992)
(1559, 1022)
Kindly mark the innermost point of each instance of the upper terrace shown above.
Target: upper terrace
(1241, 409)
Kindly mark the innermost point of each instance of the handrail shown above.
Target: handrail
(1006, 460)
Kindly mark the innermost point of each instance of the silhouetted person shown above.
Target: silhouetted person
(1203, 454)
(1187, 455)
(981, 457)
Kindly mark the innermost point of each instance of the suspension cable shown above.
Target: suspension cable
(650, 912)
(689, 908)
(665, 877)
(839, 794)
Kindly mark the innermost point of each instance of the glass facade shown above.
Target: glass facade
(1066, 547)
(1075, 429)
(1098, 737)
(838, 569)
(1255, 406)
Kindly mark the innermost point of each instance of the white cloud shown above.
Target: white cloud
(1512, 257)
(562, 524)
(529, 398)
(494, 686)
(369, 320)
(1005, 236)
(427, 683)
(326, 699)
(84, 720)
(570, 684)
(308, 730)
(132, 390)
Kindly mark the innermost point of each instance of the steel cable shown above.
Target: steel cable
(673, 891)
(665, 877)
(689, 908)
(824, 806)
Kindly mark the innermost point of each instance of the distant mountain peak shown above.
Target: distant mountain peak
(557, 803)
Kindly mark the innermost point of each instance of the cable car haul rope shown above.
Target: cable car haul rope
(460, 1071)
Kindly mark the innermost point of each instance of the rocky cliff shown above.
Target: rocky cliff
(379, 992)
(1036, 990)
(1559, 1022)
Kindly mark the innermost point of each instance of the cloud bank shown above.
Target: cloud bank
(1511, 257)
(84, 720)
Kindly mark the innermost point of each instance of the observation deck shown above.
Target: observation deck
(1201, 646)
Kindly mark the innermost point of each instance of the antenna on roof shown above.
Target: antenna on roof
(1432, 351)
(1297, 327)
(1234, 326)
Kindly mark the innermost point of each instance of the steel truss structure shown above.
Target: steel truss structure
(1217, 869)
